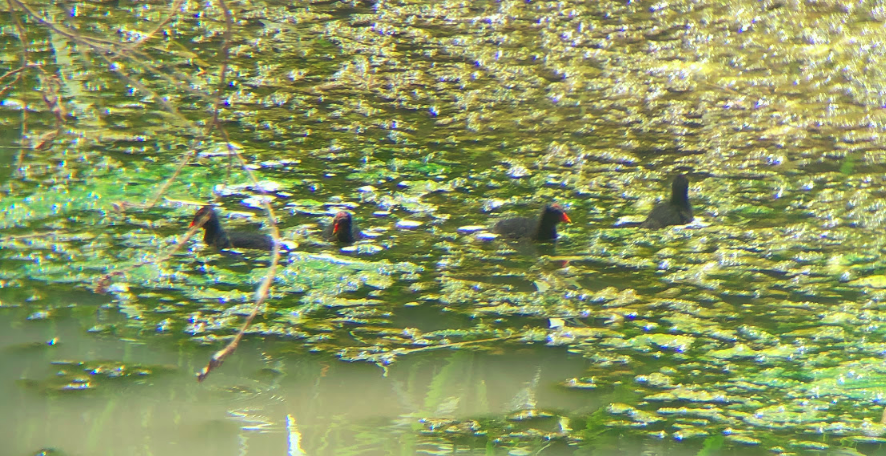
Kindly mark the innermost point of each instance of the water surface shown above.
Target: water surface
(755, 329)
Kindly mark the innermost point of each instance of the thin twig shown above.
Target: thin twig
(173, 11)
(178, 169)
(105, 281)
(74, 36)
(264, 289)
(51, 98)
(23, 37)
(12, 72)
(110, 51)
(103, 47)
(407, 351)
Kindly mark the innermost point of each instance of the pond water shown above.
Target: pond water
(758, 328)
(260, 403)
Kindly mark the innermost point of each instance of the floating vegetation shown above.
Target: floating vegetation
(757, 326)
(78, 377)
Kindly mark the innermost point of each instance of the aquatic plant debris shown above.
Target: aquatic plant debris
(759, 326)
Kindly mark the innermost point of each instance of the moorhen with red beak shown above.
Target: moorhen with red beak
(342, 229)
(677, 211)
(543, 228)
(216, 236)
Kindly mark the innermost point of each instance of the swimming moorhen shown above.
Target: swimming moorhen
(543, 228)
(677, 211)
(217, 237)
(342, 229)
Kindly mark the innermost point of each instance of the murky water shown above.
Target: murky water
(758, 328)
(261, 403)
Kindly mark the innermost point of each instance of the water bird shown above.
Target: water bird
(677, 211)
(216, 236)
(542, 228)
(342, 229)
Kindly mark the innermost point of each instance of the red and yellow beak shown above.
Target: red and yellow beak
(565, 218)
(335, 228)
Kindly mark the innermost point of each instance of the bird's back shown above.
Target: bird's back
(248, 241)
(667, 214)
(518, 227)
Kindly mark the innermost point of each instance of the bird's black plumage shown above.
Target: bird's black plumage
(676, 211)
(342, 229)
(541, 228)
(216, 236)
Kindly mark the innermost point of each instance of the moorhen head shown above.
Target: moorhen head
(677, 211)
(543, 228)
(342, 229)
(216, 236)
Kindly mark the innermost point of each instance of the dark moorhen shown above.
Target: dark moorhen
(216, 236)
(543, 228)
(677, 211)
(342, 230)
